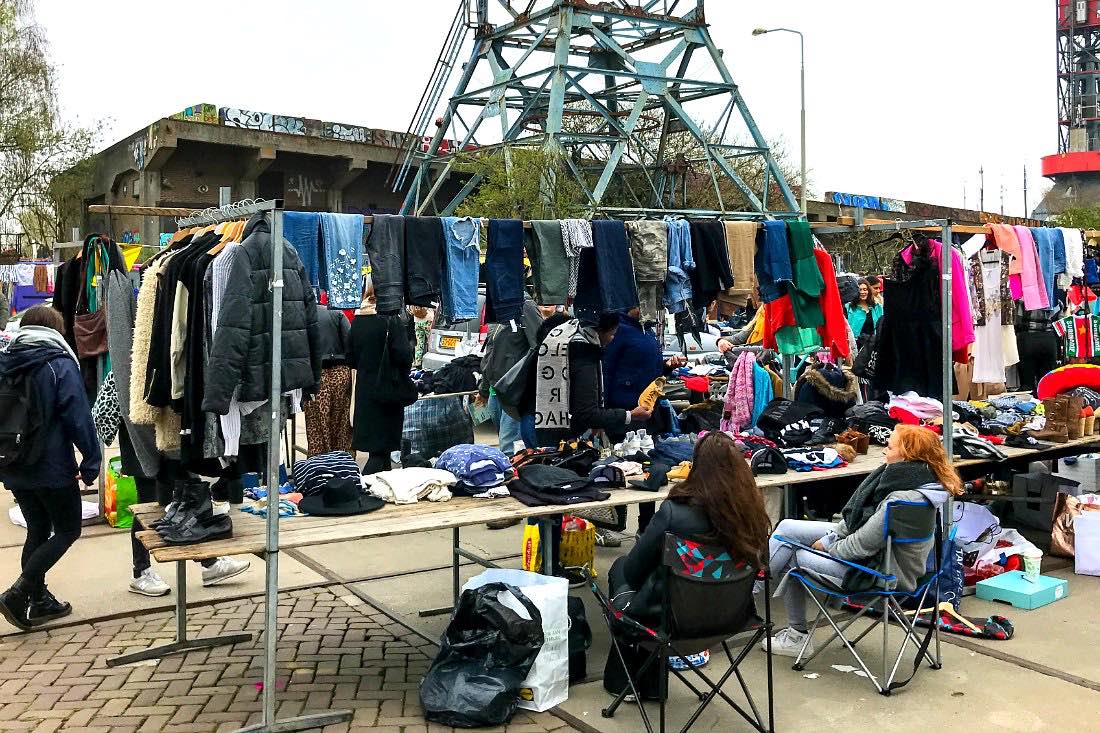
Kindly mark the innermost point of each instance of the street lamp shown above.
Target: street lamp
(802, 53)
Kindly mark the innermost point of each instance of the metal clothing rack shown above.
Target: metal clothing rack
(269, 723)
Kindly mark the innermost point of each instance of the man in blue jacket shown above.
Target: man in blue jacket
(47, 489)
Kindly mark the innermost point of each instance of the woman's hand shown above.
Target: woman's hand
(724, 345)
(818, 546)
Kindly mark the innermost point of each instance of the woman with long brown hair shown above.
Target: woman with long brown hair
(718, 504)
(917, 469)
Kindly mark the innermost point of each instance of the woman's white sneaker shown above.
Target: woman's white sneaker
(223, 569)
(149, 583)
(788, 643)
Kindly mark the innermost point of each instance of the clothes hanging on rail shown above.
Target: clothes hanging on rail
(962, 321)
(741, 247)
(614, 268)
(806, 284)
(504, 271)
(1033, 288)
(461, 263)
(649, 251)
(385, 251)
(772, 261)
(328, 417)
(712, 273)
(341, 273)
(424, 256)
(994, 313)
(303, 230)
(681, 264)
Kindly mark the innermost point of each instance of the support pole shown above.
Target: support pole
(948, 362)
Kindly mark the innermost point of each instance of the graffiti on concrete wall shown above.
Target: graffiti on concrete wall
(205, 113)
(388, 138)
(349, 133)
(236, 117)
(137, 151)
(305, 188)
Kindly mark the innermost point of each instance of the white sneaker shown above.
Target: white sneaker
(149, 583)
(632, 444)
(788, 643)
(223, 569)
(645, 441)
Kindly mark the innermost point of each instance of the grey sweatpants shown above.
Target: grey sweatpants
(784, 558)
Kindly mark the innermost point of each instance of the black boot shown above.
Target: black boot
(178, 488)
(44, 607)
(826, 433)
(14, 603)
(195, 503)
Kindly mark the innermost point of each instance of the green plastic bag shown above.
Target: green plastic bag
(120, 495)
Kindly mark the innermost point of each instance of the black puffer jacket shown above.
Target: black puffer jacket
(241, 352)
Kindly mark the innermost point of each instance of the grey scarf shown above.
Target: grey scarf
(879, 484)
(576, 235)
(552, 385)
(40, 336)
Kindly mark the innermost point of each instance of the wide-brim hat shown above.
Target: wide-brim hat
(340, 497)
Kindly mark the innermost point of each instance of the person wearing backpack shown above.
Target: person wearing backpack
(44, 415)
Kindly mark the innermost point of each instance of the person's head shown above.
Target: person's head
(721, 484)
(606, 327)
(43, 315)
(875, 282)
(915, 443)
(866, 294)
(635, 313)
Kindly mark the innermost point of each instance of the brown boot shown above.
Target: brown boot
(1075, 418)
(1056, 430)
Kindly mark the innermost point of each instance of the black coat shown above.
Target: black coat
(241, 351)
(377, 424)
(644, 560)
(586, 398)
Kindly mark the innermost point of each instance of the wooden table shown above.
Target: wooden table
(392, 520)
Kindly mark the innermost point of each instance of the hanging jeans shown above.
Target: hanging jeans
(463, 254)
(614, 269)
(342, 271)
(53, 525)
(301, 229)
(328, 415)
(424, 251)
(385, 251)
(504, 271)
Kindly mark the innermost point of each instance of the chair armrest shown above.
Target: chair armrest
(854, 566)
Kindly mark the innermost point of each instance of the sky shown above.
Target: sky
(904, 100)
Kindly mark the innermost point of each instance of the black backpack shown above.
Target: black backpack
(20, 420)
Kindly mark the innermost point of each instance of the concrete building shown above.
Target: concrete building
(191, 158)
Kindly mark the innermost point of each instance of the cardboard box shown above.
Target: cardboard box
(1014, 588)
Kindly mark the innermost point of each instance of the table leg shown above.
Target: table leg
(456, 581)
(182, 643)
(546, 539)
(789, 501)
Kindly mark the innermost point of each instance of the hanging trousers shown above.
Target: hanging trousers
(328, 417)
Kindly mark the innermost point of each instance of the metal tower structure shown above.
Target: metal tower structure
(1078, 34)
(617, 89)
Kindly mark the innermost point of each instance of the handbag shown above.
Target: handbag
(509, 388)
(90, 328)
(867, 358)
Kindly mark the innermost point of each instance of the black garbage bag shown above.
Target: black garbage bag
(485, 656)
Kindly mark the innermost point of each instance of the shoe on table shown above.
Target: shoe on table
(788, 643)
(149, 583)
(502, 523)
(47, 608)
(608, 538)
(223, 569)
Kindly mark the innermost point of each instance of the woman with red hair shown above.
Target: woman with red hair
(917, 469)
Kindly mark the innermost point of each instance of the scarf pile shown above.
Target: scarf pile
(882, 482)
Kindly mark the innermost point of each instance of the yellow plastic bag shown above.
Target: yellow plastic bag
(532, 556)
(578, 544)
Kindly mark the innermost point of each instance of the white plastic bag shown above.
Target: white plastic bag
(547, 683)
(1086, 532)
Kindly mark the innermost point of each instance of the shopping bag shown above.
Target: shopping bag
(1086, 534)
(120, 493)
(484, 656)
(532, 556)
(1066, 509)
(547, 684)
(996, 554)
(578, 544)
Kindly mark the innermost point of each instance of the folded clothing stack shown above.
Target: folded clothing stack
(814, 459)
(311, 474)
(539, 485)
(410, 485)
(476, 468)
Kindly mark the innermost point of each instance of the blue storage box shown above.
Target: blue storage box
(1014, 588)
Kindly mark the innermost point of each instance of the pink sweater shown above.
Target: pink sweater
(962, 320)
(1031, 276)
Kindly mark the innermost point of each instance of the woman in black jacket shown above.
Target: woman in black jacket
(381, 352)
(718, 504)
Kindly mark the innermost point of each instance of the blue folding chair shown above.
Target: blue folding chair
(875, 594)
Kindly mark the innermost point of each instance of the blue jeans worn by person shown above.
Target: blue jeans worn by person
(784, 558)
(508, 428)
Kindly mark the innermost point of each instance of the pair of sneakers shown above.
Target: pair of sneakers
(788, 642)
(635, 443)
(149, 583)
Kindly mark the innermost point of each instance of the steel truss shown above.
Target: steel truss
(605, 86)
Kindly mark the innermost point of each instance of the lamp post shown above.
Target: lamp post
(802, 54)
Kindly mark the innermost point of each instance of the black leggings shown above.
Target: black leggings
(147, 492)
(47, 510)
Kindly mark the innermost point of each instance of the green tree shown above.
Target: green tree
(36, 146)
(520, 183)
(1079, 217)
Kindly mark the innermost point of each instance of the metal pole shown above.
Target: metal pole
(802, 52)
(948, 361)
(271, 549)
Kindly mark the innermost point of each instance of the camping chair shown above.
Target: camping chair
(707, 601)
(874, 593)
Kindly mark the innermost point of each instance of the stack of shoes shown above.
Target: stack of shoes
(1075, 417)
(1090, 420)
(826, 432)
(1056, 430)
(191, 517)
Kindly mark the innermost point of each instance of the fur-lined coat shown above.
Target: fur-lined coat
(829, 387)
(167, 421)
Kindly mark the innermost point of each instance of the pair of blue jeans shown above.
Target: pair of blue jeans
(341, 273)
(508, 428)
(462, 237)
(504, 271)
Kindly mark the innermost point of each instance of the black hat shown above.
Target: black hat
(655, 480)
(768, 460)
(340, 497)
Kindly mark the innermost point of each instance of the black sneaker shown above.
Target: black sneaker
(47, 608)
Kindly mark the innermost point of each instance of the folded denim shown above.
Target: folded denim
(463, 255)
(424, 252)
(385, 249)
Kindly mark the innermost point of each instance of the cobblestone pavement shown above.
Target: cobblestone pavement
(334, 652)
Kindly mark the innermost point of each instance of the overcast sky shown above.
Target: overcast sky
(905, 100)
